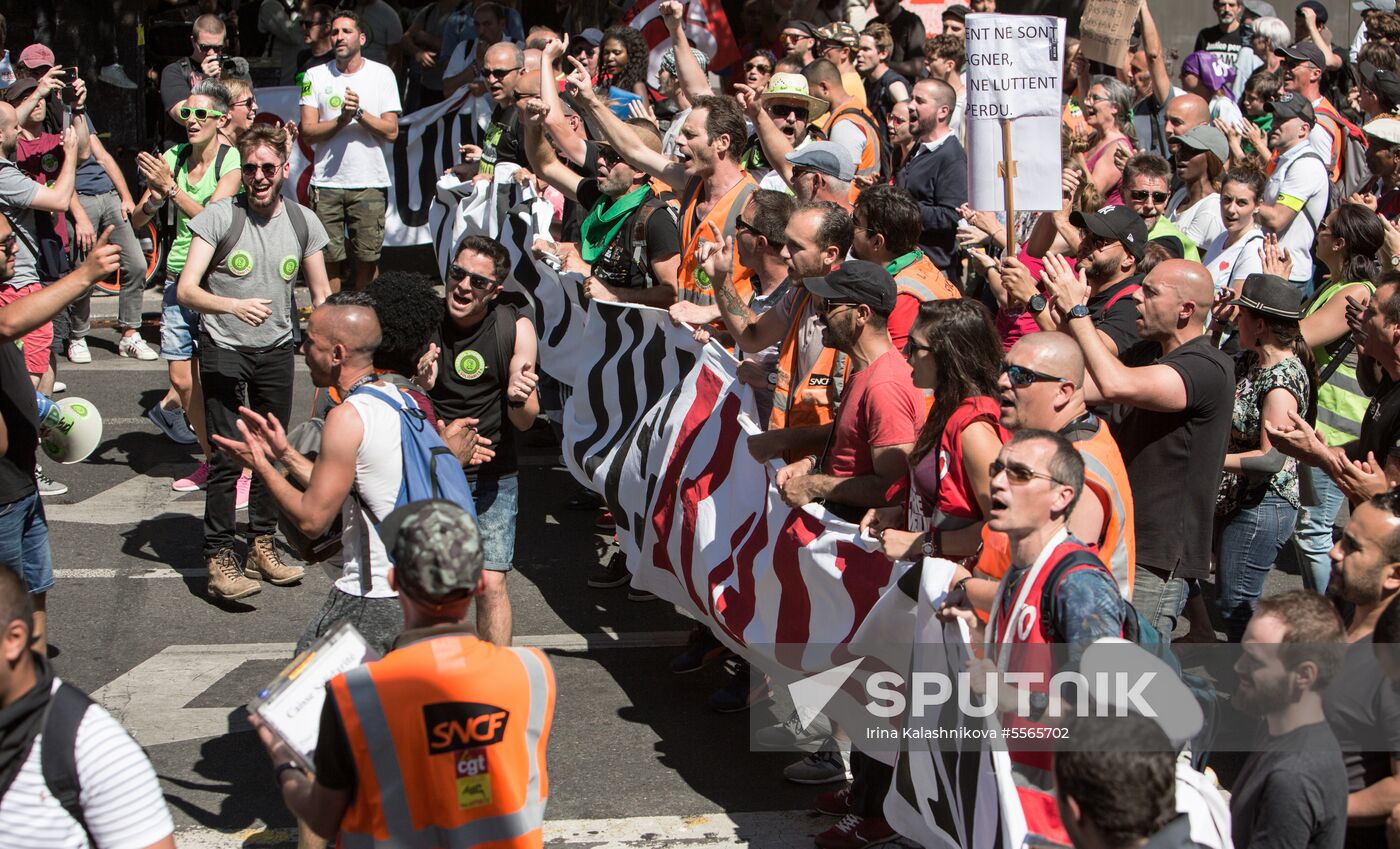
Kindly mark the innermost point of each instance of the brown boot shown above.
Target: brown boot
(226, 581)
(265, 564)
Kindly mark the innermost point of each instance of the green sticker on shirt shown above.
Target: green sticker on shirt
(240, 263)
(469, 365)
(336, 101)
(289, 266)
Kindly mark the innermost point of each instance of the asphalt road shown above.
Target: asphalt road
(636, 758)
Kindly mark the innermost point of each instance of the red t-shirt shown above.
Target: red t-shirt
(879, 407)
(42, 159)
(901, 320)
(942, 494)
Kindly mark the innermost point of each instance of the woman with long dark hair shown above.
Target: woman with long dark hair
(1347, 243)
(1257, 505)
(954, 350)
(622, 62)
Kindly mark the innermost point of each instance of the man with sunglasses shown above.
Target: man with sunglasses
(316, 29)
(629, 238)
(240, 275)
(1036, 482)
(1303, 69)
(798, 38)
(1042, 388)
(209, 41)
(507, 83)
(1146, 190)
(350, 114)
(486, 371)
(782, 114)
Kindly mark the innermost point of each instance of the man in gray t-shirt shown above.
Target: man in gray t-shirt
(243, 265)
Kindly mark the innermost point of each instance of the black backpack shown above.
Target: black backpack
(57, 757)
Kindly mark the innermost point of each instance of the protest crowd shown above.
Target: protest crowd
(1112, 419)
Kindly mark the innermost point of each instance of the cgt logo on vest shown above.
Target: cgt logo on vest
(454, 726)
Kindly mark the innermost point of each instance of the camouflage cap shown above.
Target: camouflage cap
(436, 550)
(840, 33)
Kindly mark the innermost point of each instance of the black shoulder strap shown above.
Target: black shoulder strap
(505, 338)
(298, 219)
(233, 233)
(1073, 560)
(182, 159)
(58, 757)
(219, 161)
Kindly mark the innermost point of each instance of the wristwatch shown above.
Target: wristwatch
(1036, 305)
(358, 112)
(772, 378)
(933, 543)
(1395, 260)
(1079, 311)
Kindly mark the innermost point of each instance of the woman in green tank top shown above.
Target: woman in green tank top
(1347, 243)
(188, 176)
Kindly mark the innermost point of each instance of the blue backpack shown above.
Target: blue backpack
(430, 469)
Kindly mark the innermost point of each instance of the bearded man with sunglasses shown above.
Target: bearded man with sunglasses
(485, 371)
(240, 275)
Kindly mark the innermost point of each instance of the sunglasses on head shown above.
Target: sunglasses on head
(268, 169)
(781, 111)
(758, 66)
(1017, 473)
(498, 73)
(199, 113)
(1021, 377)
(481, 284)
(1141, 196)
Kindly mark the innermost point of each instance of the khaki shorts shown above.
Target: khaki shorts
(360, 212)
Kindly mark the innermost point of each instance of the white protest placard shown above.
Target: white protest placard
(1014, 70)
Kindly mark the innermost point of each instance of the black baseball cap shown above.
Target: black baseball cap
(858, 282)
(1319, 10)
(1115, 222)
(1381, 81)
(957, 12)
(1290, 105)
(1304, 51)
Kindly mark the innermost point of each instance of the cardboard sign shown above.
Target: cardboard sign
(1014, 71)
(1105, 28)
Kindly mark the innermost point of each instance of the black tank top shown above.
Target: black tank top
(473, 372)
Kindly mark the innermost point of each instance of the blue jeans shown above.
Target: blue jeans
(1322, 500)
(1250, 542)
(24, 542)
(497, 504)
(1160, 597)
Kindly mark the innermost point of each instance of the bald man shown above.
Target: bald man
(504, 142)
(1174, 394)
(360, 451)
(1184, 112)
(1042, 388)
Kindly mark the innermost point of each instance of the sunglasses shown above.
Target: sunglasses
(269, 170)
(498, 73)
(1097, 98)
(1017, 473)
(207, 48)
(247, 101)
(793, 36)
(912, 347)
(826, 307)
(609, 156)
(1021, 377)
(781, 111)
(758, 66)
(775, 244)
(1141, 196)
(479, 283)
(199, 113)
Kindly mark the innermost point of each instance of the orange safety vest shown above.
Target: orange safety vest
(448, 737)
(856, 113)
(692, 283)
(922, 279)
(1337, 127)
(1106, 477)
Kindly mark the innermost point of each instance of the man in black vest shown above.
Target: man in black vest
(486, 371)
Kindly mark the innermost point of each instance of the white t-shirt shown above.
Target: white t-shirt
(353, 158)
(1200, 221)
(378, 476)
(1304, 179)
(120, 797)
(1227, 264)
(1223, 107)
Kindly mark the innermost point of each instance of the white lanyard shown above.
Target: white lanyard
(1004, 656)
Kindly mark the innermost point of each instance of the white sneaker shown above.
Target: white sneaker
(78, 352)
(115, 75)
(59, 386)
(135, 347)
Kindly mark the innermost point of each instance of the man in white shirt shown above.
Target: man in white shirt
(1295, 199)
(119, 798)
(350, 115)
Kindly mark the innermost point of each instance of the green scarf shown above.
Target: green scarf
(900, 263)
(605, 220)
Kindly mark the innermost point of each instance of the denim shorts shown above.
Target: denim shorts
(24, 542)
(177, 326)
(497, 504)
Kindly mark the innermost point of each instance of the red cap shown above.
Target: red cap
(36, 56)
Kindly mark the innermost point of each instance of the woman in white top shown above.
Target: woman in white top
(1200, 159)
(1234, 254)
